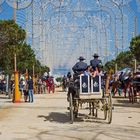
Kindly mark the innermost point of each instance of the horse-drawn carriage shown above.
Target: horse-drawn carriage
(127, 82)
(89, 90)
(136, 86)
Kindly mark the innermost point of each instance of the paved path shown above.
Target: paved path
(47, 119)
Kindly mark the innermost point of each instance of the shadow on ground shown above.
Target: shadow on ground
(58, 117)
(126, 103)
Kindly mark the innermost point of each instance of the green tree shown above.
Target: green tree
(25, 57)
(12, 40)
(125, 59)
(135, 47)
(44, 69)
(11, 35)
(110, 65)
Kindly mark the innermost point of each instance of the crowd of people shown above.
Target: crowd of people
(126, 82)
(45, 84)
(41, 85)
(28, 86)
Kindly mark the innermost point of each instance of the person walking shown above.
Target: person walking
(30, 89)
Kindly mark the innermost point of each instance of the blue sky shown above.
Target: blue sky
(135, 8)
(7, 13)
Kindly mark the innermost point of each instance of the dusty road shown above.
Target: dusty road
(47, 119)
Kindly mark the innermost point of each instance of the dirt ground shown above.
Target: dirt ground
(48, 119)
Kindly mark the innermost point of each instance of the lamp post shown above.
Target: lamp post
(17, 4)
(16, 98)
(122, 21)
(34, 79)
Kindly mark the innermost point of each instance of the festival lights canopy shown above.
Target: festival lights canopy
(60, 31)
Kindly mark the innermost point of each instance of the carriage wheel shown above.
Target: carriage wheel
(71, 108)
(109, 108)
(105, 109)
(131, 95)
(96, 113)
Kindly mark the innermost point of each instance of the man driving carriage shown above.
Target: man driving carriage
(95, 62)
(81, 67)
(78, 69)
(86, 87)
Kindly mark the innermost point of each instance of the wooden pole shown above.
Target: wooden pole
(34, 79)
(17, 95)
(135, 65)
